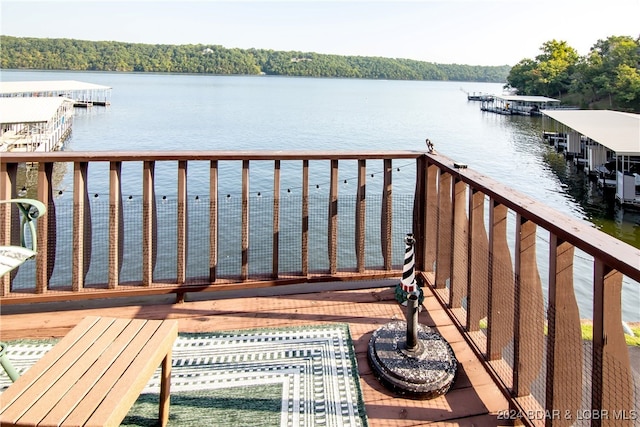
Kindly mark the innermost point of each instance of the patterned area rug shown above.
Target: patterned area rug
(302, 376)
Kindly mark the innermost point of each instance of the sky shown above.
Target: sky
(472, 32)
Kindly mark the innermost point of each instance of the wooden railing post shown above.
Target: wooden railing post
(244, 272)
(213, 220)
(304, 255)
(82, 229)
(501, 283)
(275, 253)
(445, 232)
(360, 220)
(564, 342)
(332, 231)
(46, 231)
(478, 285)
(460, 241)
(149, 225)
(116, 225)
(182, 224)
(528, 341)
(386, 217)
(612, 381)
(430, 218)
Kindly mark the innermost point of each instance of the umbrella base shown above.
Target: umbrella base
(423, 372)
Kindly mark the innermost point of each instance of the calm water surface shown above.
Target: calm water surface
(184, 112)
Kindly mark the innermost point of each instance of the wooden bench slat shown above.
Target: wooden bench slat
(107, 373)
(126, 391)
(75, 395)
(33, 376)
(93, 375)
(67, 357)
(57, 391)
(104, 385)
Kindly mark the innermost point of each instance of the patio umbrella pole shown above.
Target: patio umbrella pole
(412, 323)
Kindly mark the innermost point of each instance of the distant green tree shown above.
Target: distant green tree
(555, 66)
(609, 72)
(549, 74)
(627, 87)
(612, 71)
(521, 77)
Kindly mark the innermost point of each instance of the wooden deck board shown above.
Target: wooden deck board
(473, 399)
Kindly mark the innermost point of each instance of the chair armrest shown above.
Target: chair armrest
(30, 209)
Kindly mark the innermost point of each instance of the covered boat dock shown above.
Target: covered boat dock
(83, 94)
(518, 104)
(608, 142)
(34, 124)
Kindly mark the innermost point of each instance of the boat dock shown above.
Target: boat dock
(83, 94)
(479, 96)
(518, 104)
(38, 115)
(34, 123)
(604, 143)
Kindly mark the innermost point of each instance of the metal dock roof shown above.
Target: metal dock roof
(618, 131)
(29, 109)
(10, 88)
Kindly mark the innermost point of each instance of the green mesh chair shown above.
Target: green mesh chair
(12, 257)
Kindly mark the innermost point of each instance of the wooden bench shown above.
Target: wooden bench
(94, 375)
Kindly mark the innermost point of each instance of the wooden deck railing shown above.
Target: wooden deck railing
(507, 268)
(132, 225)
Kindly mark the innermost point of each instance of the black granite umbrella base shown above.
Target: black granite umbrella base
(424, 373)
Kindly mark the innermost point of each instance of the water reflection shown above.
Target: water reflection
(27, 180)
(599, 205)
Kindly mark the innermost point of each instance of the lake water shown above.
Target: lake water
(183, 112)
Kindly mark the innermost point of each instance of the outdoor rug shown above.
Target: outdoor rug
(297, 376)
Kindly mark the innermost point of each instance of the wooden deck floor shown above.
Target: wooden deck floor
(474, 400)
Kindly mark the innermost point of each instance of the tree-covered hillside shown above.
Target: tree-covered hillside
(607, 77)
(81, 55)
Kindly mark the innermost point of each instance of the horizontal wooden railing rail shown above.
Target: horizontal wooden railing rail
(508, 268)
(146, 228)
